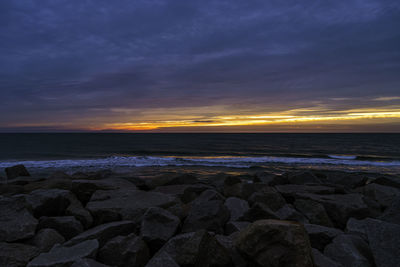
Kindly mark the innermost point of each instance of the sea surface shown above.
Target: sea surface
(71, 152)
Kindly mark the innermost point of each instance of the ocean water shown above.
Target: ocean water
(94, 151)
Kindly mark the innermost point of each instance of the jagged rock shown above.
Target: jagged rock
(287, 212)
(388, 181)
(84, 189)
(292, 191)
(64, 184)
(210, 215)
(104, 232)
(320, 236)
(10, 190)
(15, 171)
(16, 255)
(67, 226)
(233, 186)
(185, 192)
(87, 263)
(259, 211)
(232, 227)
(16, 222)
(66, 256)
(128, 250)
(207, 195)
(270, 197)
(314, 212)
(349, 180)
(341, 207)
(49, 202)
(384, 195)
(23, 180)
(302, 178)
(114, 205)
(320, 260)
(392, 214)
(237, 207)
(162, 259)
(356, 227)
(174, 245)
(171, 179)
(271, 179)
(158, 225)
(76, 209)
(383, 239)
(59, 175)
(202, 249)
(275, 243)
(46, 238)
(228, 243)
(349, 250)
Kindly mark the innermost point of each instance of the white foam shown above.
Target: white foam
(238, 162)
(342, 156)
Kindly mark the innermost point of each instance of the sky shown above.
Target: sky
(200, 66)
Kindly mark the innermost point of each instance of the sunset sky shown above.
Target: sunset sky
(200, 66)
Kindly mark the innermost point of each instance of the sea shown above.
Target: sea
(241, 152)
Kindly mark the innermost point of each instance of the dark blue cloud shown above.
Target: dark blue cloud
(62, 59)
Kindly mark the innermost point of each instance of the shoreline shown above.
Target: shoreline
(200, 217)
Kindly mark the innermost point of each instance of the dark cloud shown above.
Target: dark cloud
(64, 60)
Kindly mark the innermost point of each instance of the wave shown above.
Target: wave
(342, 156)
(227, 161)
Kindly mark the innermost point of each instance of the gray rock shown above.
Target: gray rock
(16, 222)
(171, 179)
(46, 238)
(67, 226)
(104, 232)
(270, 197)
(76, 209)
(320, 236)
(271, 179)
(173, 246)
(162, 259)
(232, 227)
(16, 255)
(228, 242)
(64, 184)
(313, 211)
(66, 256)
(392, 213)
(49, 202)
(384, 195)
(158, 225)
(237, 207)
(233, 187)
(349, 250)
(293, 191)
(384, 242)
(349, 180)
(259, 211)
(128, 250)
(87, 263)
(15, 171)
(287, 212)
(320, 260)
(84, 189)
(207, 195)
(388, 181)
(210, 215)
(185, 192)
(357, 227)
(275, 243)
(202, 249)
(302, 178)
(114, 205)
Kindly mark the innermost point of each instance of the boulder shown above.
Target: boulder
(104, 232)
(173, 246)
(320, 236)
(313, 211)
(66, 256)
(47, 184)
(84, 189)
(210, 215)
(383, 239)
(275, 243)
(270, 197)
(207, 195)
(171, 179)
(356, 227)
(15, 171)
(349, 180)
(185, 192)
(259, 211)
(162, 259)
(121, 251)
(87, 263)
(233, 186)
(49, 202)
(158, 225)
(320, 260)
(59, 175)
(392, 214)
(76, 209)
(302, 178)
(341, 207)
(384, 195)
(292, 191)
(202, 249)
(16, 222)
(67, 226)
(228, 242)
(114, 205)
(349, 250)
(237, 207)
(10, 190)
(271, 179)
(16, 255)
(289, 213)
(46, 238)
(232, 227)
(23, 180)
(388, 181)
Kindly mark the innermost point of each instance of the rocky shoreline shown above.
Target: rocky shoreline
(311, 218)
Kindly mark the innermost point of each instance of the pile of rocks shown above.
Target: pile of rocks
(104, 219)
